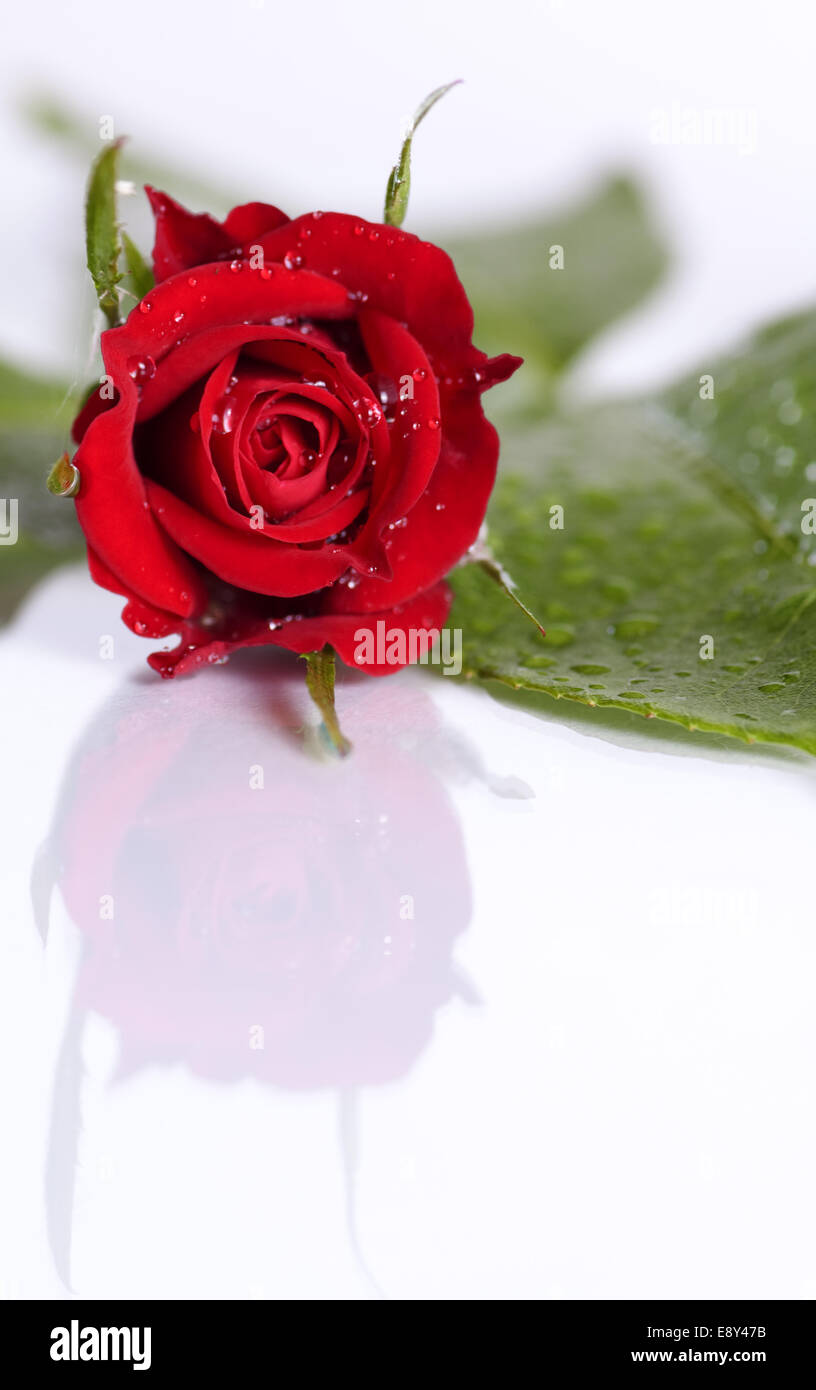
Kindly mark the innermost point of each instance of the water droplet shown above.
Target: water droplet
(317, 216)
(293, 260)
(178, 316)
(141, 369)
(369, 412)
(236, 266)
(419, 374)
(359, 229)
(191, 281)
(145, 306)
(588, 668)
(538, 663)
(223, 417)
(433, 423)
(560, 636)
(266, 272)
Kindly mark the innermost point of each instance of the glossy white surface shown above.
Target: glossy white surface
(583, 1069)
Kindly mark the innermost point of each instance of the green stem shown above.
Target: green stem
(320, 685)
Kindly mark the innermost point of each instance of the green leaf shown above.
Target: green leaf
(102, 240)
(399, 180)
(613, 256)
(320, 685)
(682, 522)
(140, 274)
(28, 400)
(48, 531)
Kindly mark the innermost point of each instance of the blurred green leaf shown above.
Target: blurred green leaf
(611, 255)
(27, 399)
(49, 533)
(682, 522)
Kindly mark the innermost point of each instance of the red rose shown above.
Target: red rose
(294, 444)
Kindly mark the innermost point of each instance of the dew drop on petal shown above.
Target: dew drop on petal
(141, 369)
(293, 260)
(368, 411)
(145, 306)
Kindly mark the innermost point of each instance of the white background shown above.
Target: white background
(628, 1108)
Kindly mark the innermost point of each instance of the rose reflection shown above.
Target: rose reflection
(300, 933)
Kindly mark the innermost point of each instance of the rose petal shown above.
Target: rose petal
(247, 626)
(445, 521)
(186, 239)
(253, 562)
(113, 512)
(412, 281)
(252, 220)
(183, 239)
(415, 435)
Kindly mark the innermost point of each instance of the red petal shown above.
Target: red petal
(254, 562)
(183, 239)
(415, 435)
(252, 220)
(187, 329)
(445, 521)
(113, 512)
(412, 281)
(200, 646)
